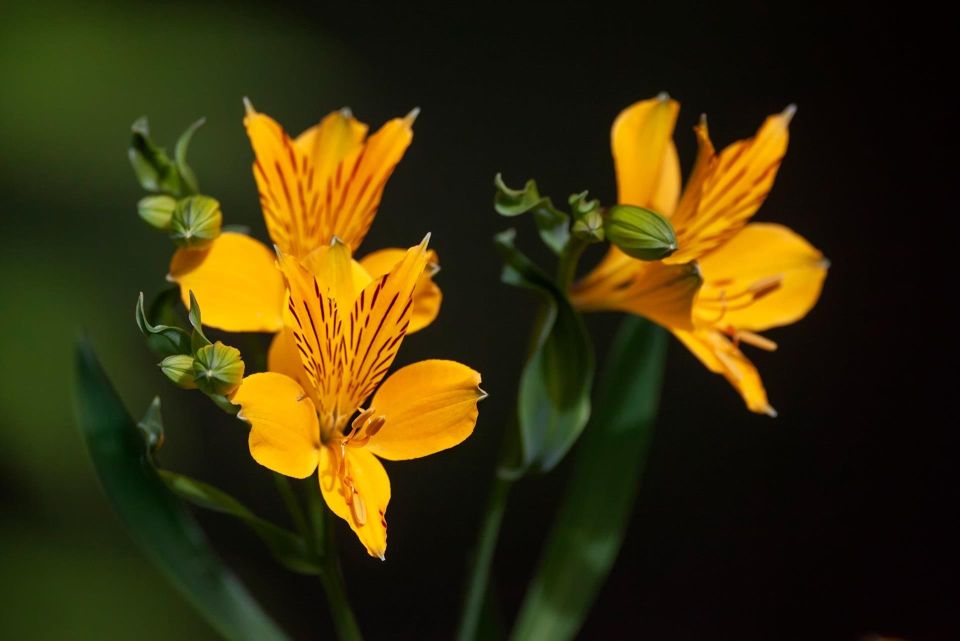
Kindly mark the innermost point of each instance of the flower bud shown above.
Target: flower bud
(157, 211)
(218, 369)
(589, 227)
(179, 369)
(196, 222)
(639, 232)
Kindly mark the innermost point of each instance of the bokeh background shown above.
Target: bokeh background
(830, 522)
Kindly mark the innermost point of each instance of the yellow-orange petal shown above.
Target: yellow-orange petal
(647, 167)
(733, 190)
(352, 195)
(338, 275)
(356, 488)
(721, 356)
(330, 141)
(283, 358)
(428, 406)
(284, 432)
(427, 296)
(663, 293)
(236, 282)
(785, 270)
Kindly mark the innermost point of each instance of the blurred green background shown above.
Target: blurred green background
(828, 523)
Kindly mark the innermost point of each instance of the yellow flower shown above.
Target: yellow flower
(345, 330)
(728, 279)
(323, 186)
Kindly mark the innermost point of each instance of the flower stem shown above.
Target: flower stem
(290, 502)
(482, 559)
(569, 259)
(323, 526)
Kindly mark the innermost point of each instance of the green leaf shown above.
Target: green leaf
(197, 339)
(156, 519)
(163, 340)
(153, 167)
(588, 531)
(180, 156)
(554, 395)
(552, 223)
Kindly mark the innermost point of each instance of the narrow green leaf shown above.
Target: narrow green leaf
(197, 338)
(552, 223)
(589, 528)
(156, 519)
(554, 394)
(180, 157)
(163, 340)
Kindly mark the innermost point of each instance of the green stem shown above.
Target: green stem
(323, 527)
(483, 558)
(292, 505)
(569, 258)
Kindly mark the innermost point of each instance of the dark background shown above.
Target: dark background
(831, 522)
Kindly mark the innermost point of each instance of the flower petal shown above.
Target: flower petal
(428, 406)
(378, 323)
(290, 194)
(426, 296)
(648, 170)
(353, 193)
(284, 432)
(283, 357)
(356, 488)
(330, 141)
(721, 356)
(785, 270)
(338, 275)
(663, 293)
(734, 188)
(236, 282)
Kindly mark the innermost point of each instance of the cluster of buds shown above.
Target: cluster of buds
(191, 360)
(192, 220)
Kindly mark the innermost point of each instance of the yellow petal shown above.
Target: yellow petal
(356, 488)
(378, 323)
(648, 171)
(330, 141)
(352, 194)
(283, 357)
(236, 282)
(290, 194)
(284, 433)
(426, 296)
(338, 275)
(429, 406)
(735, 187)
(316, 323)
(723, 357)
(662, 293)
(784, 270)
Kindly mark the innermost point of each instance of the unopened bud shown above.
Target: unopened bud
(639, 232)
(218, 369)
(179, 369)
(589, 227)
(157, 211)
(196, 222)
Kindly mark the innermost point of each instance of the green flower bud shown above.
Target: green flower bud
(154, 169)
(639, 232)
(196, 222)
(218, 369)
(157, 211)
(179, 369)
(589, 227)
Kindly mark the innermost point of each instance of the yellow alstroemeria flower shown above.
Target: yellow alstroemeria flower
(346, 329)
(729, 279)
(323, 186)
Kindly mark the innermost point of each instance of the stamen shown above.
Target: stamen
(357, 507)
(374, 426)
(756, 340)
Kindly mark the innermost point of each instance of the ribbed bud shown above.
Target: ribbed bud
(639, 232)
(179, 369)
(218, 369)
(157, 211)
(196, 222)
(589, 227)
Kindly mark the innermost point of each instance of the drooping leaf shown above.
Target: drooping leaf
(163, 340)
(180, 156)
(156, 519)
(554, 394)
(588, 531)
(289, 549)
(552, 223)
